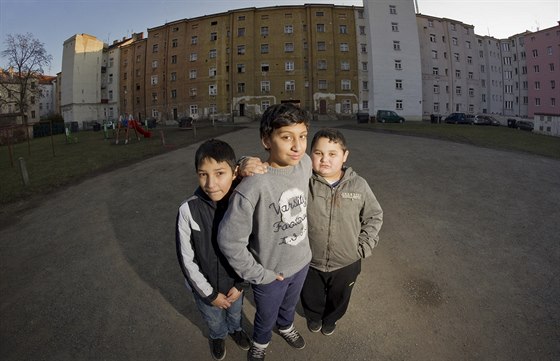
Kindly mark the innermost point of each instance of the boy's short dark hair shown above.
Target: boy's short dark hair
(332, 135)
(280, 115)
(215, 149)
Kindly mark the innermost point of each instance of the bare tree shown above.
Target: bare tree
(26, 59)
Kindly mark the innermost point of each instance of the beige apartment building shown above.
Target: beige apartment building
(241, 61)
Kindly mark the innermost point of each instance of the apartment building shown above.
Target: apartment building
(543, 68)
(450, 66)
(241, 61)
(395, 73)
(47, 95)
(10, 93)
(490, 58)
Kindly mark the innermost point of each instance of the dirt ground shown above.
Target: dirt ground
(467, 267)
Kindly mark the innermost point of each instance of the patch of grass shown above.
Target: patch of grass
(92, 154)
(484, 136)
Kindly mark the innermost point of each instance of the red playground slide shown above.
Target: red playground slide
(135, 125)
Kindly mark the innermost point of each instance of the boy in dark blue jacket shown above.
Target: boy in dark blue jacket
(215, 286)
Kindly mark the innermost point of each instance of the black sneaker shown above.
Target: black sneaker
(218, 347)
(313, 326)
(241, 339)
(293, 338)
(328, 330)
(256, 353)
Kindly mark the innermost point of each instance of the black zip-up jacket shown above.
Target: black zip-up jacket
(204, 266)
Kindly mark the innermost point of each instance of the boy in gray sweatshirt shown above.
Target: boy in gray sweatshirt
(264, 231)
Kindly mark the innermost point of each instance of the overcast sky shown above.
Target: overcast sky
(54, 21)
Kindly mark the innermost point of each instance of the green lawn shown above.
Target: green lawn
(479, 135)
(92, 154)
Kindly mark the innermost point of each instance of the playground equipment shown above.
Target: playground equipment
(129, 123)
(69, 137)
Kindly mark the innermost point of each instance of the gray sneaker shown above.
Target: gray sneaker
(256, 353)
(293, 338)
(218, 347)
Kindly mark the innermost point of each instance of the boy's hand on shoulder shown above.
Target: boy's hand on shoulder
(280, 277)
(221, 301)
(249, 166)
(234, 294)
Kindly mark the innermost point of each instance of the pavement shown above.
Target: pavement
(467, 266)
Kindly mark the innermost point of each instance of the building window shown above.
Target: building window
(344, 47)
(468, 44)
(552, 84)
(319, 13)
(241, 18)
(398, 84)
(430, 23)
(288, 47)
(288, 29)
(395, 26)
(365, 104)
(399, 104)
(471, 74)
(264, 48)
(264, 105)
(154, 64)
(321, 46)
(535, 53)
(536, 68)
(193, 56)
(471, 92)
(434, 54)
(344, 65)
(240, 32)
(346, 106)
(432, 38)
(154, 79)
(193, 92)
(363, 48)
(436, 108)
(322, 84)
(364, 85)
(289, 65)
(454, 41)
(155, 48)
(456, 56)
(241, 87)
(154, 97)
(397, 45)
(321, 64)
(290, 85)
(549, 50)
(174, 93)
(436, 89)
(241, 68)
(538, 85)
(320, 28)
(538, 102)
(194, 40)
(173, 59)
(213, 109)
(264, 30)
(362, 30)
(343, 29)
(265, 86)
(551, 66)
(213, 36)
(212, 89)
(213, 53)
(398, 65)
(364, 66)
(435, 71)
(392, 9)
(173, 76)
(192, 74)
(346, 84)
(240, 49)
(212, 72)
(458, 90)
(194, 109)
(265, 67)
(174, 43)
(458, 74)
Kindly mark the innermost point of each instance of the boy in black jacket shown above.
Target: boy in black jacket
(215, 286)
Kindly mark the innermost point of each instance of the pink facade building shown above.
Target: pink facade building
(543, 71)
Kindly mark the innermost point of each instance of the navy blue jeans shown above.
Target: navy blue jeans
(220, 322)
(276, 305)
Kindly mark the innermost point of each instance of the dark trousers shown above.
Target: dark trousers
(325, 295)
(276, 305)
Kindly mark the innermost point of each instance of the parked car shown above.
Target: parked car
(185, 122)
(524, 125)
(389, 116)
(482, 120)
(459, 118)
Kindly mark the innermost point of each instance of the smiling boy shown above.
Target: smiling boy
(264, 232)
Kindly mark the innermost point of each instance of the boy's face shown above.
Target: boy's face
(328, 158)
(215, 178)
(287, 145)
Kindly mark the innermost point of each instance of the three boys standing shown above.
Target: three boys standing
(264, 232)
